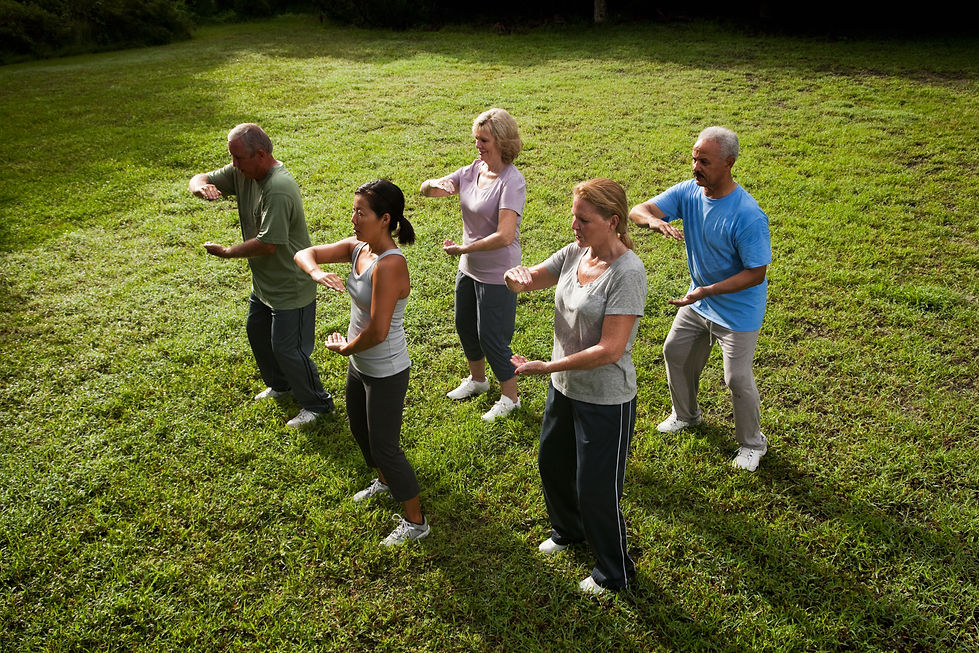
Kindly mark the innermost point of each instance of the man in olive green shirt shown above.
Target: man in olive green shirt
(282, 306)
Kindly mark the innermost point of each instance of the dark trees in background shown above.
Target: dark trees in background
(44, 28)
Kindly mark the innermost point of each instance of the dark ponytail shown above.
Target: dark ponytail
(385, 197)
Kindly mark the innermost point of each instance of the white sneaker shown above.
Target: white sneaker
(502, 408)
(748, 459)
(549, 547)
(303, 418)
(589, 586)
(672, 424)
(375, 488)
(469, 388)
(269, 393)
(406, 531)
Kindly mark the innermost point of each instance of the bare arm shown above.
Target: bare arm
(248, 249)
(649, 215)
(201, 186)
(442, 187)
(310, 259)
(609, 349)
(523, 279)
(735, 283)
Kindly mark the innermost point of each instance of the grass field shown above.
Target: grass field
(146, 503)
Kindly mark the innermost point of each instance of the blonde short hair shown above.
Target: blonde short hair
(503, 127)
(609, 199)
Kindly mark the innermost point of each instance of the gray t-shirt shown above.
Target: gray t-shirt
(579, 312)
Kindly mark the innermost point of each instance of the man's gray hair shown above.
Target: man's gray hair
(252, 137)
(724, 137)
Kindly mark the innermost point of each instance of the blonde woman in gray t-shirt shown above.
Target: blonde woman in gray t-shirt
(590, 413)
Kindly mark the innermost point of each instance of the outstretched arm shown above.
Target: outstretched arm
(523, 279)
(506, 231)
(310, 259)
(442, 187)
(609, 349)
(735, 283)
(248, 249)
(201, 186)
(649, 215)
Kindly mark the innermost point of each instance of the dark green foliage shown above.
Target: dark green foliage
(43, 28)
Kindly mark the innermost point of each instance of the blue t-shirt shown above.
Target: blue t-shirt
(723, 237)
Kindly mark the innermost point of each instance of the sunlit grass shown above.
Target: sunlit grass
(147, 503)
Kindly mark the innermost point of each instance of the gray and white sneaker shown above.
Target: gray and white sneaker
(302, 419)
(469, 388)
(405, 531)
(375, 488)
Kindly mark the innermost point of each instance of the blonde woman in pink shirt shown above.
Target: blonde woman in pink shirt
(492, 193)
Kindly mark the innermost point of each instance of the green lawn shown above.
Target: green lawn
(147, 503)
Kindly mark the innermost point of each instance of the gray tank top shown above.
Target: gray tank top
(386, 358)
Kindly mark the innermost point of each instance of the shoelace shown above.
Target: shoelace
(402, 528)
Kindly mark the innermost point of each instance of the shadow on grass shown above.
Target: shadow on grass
(834, 592)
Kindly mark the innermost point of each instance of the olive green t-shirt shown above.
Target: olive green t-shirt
(271, 210)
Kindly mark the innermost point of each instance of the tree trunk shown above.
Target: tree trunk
(601, 11)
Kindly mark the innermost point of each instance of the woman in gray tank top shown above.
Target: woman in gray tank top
(377, 374)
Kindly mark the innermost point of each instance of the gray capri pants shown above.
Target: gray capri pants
(485, 315)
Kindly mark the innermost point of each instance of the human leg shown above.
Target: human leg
(293, 335)
(465, 321)
(603, 434)
(496, 315)
(258, 326)
(557, 462)
(685, 352)
(384, 409)
(738, 348)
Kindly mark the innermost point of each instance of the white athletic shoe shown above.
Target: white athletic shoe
(549, 547)
(589, 586)
(501, 408)
(748, 459)
(672, 424)
(468, 388)
(269, 393)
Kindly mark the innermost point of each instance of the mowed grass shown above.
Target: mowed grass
(147, 503)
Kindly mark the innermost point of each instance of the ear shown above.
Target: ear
(614, 221)
(386, 217)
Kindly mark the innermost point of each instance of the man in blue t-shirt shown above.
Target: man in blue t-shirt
(728, 252)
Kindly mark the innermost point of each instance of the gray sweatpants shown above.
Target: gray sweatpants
(686, 350)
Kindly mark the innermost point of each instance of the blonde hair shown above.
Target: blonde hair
(503, 127)
(608, 197)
